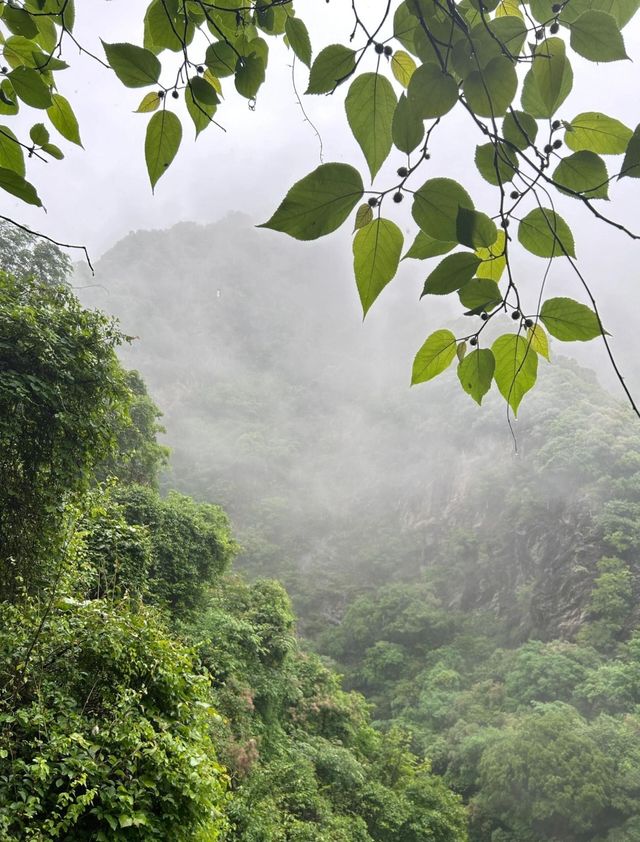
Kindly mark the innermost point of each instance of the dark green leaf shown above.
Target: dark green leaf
(436, 205)
(221, 59)
(475, 229)
(332, 65)
(475, 373)
(545, 234)
(28, 85)
(202, 91)
(376, 253)
(299, 39)
(595, 35)
(496, 163)
(480, 294)
(432, 92)
(250, 74)
(631, 163)
(434, 357)
(15, 184)
(201, 113)
(490, 91)
(162, 141)
(53, 150)
(370, 105)
(450, 274)
(516, 368)
(407, 127)
(39, 134)
(19, 22)
(134, 66)
(584, 173)
(11, 155)
(319, 203)
(569, 320)
(520, 129)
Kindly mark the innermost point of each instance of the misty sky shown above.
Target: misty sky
(97, 195)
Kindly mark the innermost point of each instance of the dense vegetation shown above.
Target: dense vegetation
(145, 693)
(485, 603)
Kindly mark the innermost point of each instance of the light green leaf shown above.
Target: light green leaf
(434, 357)
(376, 253)
(490, 91)
(475, 229)
(516, 368)
(250, 74)
(165, 28)
(134, 66)
(407, 127)
(621, 10)
(494, 259)
(425, 246)
(436, 205)
(318, 203)
(53, 150)
(520, 129)
(631, 163)
(539, 340)
(403, 67)
(331, 66)
(480, 294)
(450, 274)
(475, 373)
(62, 117)
(39, 134)
(595, 36)
(221, 59)
(28, 85)
(150, 102)
(569, 320)
(496, 163)
(461, 350)
(364, 215)
(162, 142)
(549, 81)
(15, 184)
(545, 234)
(584, 173)
(11, 154)
(595, 132)
(432, 92)
(370, 105)
(299, 39)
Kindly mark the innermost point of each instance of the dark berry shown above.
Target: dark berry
(504, 223)
(373, 202)
(200, 69)
(403, 172)
(379, 48)
(427, 156)
(473, 340)
(5, 69)
(554, 28)
(557, 144)
(540, 33)
(388, 51)
(515, 315)
(556, 125)
(548, 148)
(398, 197)
(528, 323)
(160, 94)
(175, 94)
(556, 8)
(514, 194)
(484, 316)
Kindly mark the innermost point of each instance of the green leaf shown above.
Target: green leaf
(432, 92)
(436, 205)
(461, 350)
(299, 39)
(150, 102)
(490, 91)
(62, 117)
(376, 253)
(19, 22)
(39, 134)
(621, 10)
(475, 229)
(8, 98)
(549, 81)
(545, 234)
(162, 141)
(494, 259)
(434, 357)
(539, 340)
(203, 92)
(475, 373)
(480, 294)
(569, 320)
(631, 163)
(516, 368)
(584, 173)
(403, 67)
(53, 150)
(250, 74)
(450, 274)
(370, 105)
(407, 127)
(595, 132)
(520, 129)
(496, 163)
(28, 85)
(136, 67)
(165, 27)
(221, 59)
(364, 215)
(319, 203)
(595, 36)
(11, 154)
(331, 66)
(425, 246)
(201, 113)
(15, 184)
